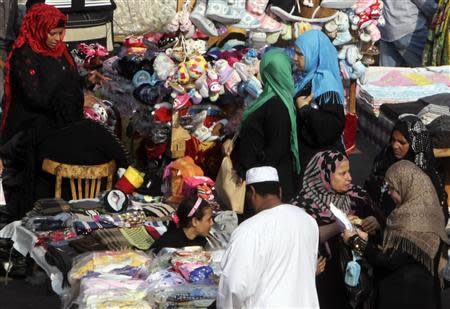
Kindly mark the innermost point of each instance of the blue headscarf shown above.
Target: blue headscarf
(321, 66)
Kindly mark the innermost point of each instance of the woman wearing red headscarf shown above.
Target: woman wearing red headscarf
(39, 75)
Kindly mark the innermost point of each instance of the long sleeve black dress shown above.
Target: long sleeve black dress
(330, 284)
(36, 83)
(264, 139)
(401, 281)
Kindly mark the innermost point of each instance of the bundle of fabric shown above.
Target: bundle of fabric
(400, 85)
(191, 296)
(124, 238)
(225, 222)
(85, 227)
(87, 207)
(49, 207)
(107, 292)
(87, 243)
(183, 278)
(48, 223)
(110, 262)
(61, 255)
(440, 132)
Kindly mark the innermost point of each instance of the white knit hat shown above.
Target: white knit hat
(261, 174)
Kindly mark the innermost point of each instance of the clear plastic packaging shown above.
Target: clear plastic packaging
(187, 296)
(110, 290)
(127, 263)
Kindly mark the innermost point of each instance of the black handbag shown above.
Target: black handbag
(362, 292)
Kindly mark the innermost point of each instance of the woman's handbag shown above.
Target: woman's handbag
(229, 186)
(358, 291)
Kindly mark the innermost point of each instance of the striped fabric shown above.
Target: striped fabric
(138, 237)
(112, 239)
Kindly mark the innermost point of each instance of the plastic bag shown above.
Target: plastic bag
(129, 263)
(187, 296)
(113, 291)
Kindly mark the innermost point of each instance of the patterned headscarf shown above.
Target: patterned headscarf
(416, 226)
(421, 151)
(36, 25)
(317, 193)
(418, 136)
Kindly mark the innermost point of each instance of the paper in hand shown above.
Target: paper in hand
(341, 217)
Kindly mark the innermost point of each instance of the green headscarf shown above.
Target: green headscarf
(276, 74)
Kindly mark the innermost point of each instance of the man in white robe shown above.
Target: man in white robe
(271, 259)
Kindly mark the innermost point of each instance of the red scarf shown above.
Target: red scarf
(36, 25)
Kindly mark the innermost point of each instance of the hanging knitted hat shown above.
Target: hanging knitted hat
(131, 180)
(115, 201)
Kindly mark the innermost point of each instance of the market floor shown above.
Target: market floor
(18, 294)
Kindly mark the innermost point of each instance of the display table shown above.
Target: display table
(25, 243)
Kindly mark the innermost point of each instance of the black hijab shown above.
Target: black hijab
(420, 153)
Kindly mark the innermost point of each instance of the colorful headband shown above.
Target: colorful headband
(196, 206)
(175, 219)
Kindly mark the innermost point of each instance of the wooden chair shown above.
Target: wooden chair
(91, 175)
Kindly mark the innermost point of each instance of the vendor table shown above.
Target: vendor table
(25, 243)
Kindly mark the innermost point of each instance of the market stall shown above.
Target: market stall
(178, 86)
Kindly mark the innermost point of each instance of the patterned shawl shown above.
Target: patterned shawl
(416, 226)
(317, 194)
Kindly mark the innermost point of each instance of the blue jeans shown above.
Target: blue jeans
(404, 52)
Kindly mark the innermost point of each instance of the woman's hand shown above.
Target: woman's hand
(2, 167)
(227, 147)
(302, 100)
(370, 225)
(362, 234)
(96, 78)
(347, 234)
(321, 263)
(89, 100)
(216, 131)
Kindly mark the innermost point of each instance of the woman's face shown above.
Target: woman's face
(54, 37)
(399, 145)
(203, 225)
(299, 59)
(395, 195)
(341, 180)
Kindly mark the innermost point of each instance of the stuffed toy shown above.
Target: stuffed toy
(182, 74)
(366, 17)
(215, 87)
(257, 9)
(196, 67)
(227, 75)
(163, 66)
(353, 66)
(342, 29)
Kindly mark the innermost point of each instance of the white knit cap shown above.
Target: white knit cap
(261, 174)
